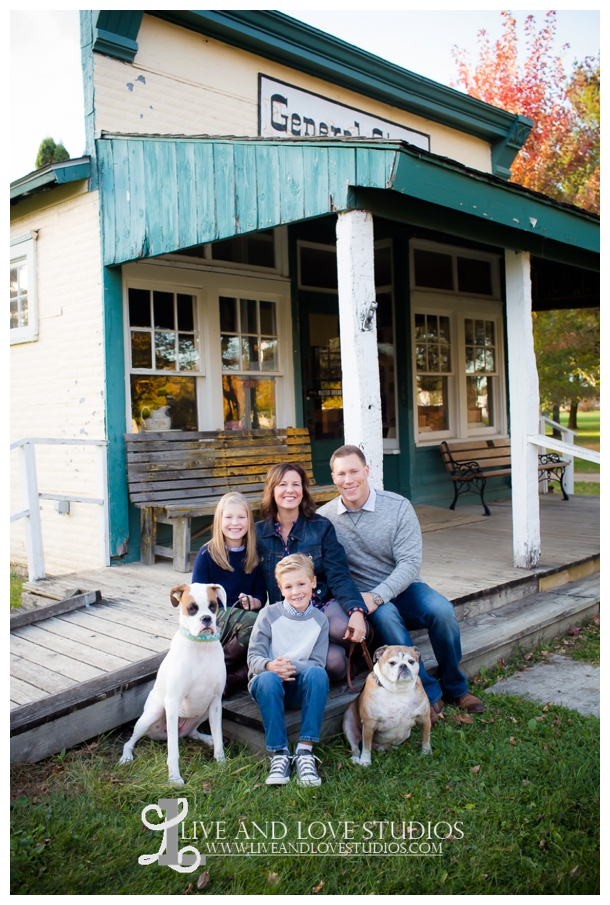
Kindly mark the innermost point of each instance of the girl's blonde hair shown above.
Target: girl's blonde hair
(217, 547)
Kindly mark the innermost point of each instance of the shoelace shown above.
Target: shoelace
(278, 762)
(307, 766)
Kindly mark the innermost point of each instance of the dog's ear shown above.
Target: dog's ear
(175, 595)
(380, 652)
(417, 654)
(221, 594)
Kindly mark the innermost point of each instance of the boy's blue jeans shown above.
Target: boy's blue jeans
(420, 606)
(272, 694)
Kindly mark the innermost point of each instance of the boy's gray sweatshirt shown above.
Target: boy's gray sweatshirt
(303, 639)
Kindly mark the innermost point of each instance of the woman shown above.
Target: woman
(290, 524)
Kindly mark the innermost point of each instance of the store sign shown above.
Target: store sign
(288, 112)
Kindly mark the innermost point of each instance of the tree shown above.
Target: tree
(567, 344)
(561, 155)
(49, 152)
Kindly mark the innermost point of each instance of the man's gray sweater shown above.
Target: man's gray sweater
(384, 547)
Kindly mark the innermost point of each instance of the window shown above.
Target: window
(164, 359)
(249, 347)
(253, 250)
(24, 309)
(457, 344)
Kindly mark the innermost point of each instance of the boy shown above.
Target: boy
(286, 659)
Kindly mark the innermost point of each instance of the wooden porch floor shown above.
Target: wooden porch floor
(67, 662)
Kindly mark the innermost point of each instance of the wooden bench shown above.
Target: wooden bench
(174, 477)
(470, 463)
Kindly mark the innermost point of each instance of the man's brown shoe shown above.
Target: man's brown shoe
(470, 703)
(435, 710)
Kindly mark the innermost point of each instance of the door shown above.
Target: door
(322, 386)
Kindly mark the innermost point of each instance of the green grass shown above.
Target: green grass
(16, 589)
(588, 487)
(588, 435)
(520, 781)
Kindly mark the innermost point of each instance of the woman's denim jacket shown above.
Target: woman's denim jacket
(315, 537)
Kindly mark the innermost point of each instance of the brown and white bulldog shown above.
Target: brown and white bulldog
(190, 681)
(392, 701)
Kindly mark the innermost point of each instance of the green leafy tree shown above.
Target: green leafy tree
(567, 344)
(49, 152)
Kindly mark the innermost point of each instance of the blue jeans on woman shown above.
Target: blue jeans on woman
(308, 691)
(421, 607)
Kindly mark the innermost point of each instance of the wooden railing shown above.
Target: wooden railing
(31, 496)
(569, 450)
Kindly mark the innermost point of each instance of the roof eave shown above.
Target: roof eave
(49, 176)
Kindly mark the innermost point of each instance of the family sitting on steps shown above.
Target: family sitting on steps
(357, 580)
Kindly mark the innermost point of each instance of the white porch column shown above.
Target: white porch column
(524, 404)
(358, 329)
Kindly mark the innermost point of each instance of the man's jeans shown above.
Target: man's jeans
(308, 691)
(422, 607)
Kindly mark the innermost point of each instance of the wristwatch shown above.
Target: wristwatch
(379, 601)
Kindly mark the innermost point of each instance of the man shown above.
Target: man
(382, 539)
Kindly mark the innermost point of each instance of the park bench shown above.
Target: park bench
(174, 477)
(470, 463)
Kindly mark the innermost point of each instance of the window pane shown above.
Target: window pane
(228, 315)
(490, 333)
(175, 396)
(490, 360)
(445, 362)
(318, 267)
(433, 270)
(163, 306)
(188, 359)
(479, 359)
(479, 333)
(383, 266)
(139, 308)
(420, 326)
(421, 362)
(249, 353)
(228, 250)
(474, 276)
(230, 352)
(249, 402)
(479, 394)
(249, 320)
(469, 360)
(268, 326)
(14, 281)
(260, 249)
(185, 312)
(14, 314)
(141, 349)
(469, 329)
(433, 357)
(432, 326)
(269, 354)
(165, 350)
(432, 404)
(443, 329)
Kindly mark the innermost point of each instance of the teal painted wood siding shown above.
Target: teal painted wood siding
(163, 194)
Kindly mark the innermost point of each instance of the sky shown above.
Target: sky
(45, 58)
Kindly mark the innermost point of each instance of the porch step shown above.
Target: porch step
(487, 637)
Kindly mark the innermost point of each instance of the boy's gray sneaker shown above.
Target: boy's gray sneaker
(279, 772)
(307, 772)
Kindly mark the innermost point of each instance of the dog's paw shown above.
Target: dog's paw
(426, 749)
(126, 759)
(176, 779)
(220, 759)
(362, 762)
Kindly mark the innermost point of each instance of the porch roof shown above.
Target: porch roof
(47, 177)
(163, 193)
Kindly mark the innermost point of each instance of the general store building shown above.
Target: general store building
(273, 228)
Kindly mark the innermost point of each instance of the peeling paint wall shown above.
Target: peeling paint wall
(57, 382)
(184, 83)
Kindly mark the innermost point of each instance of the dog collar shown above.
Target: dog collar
(214, 637)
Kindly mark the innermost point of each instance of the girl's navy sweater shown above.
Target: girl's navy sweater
(238, 582)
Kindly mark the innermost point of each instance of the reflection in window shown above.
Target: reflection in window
(163, 339)
(168, 396)
(387, 364)
(432, 404)
(481, 360)
(480, 401)
(248, 402)
(249, 340)
(19, 295)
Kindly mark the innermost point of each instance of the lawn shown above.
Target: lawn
(515, 789)
(588, 435)
(16, 589)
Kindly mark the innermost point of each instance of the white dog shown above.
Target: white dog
(191, 679)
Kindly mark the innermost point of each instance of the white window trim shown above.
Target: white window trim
(456, 252)
(23, 248)
(208, 286)
(447, 304)
(280, 268)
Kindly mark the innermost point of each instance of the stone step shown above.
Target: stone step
(487, 637)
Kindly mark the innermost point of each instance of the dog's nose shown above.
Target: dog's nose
(206, 620)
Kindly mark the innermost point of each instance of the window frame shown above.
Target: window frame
(280, 268)
(208, 286)
(455, 252)
(23, 248)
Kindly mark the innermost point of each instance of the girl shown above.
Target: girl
(230, 559)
